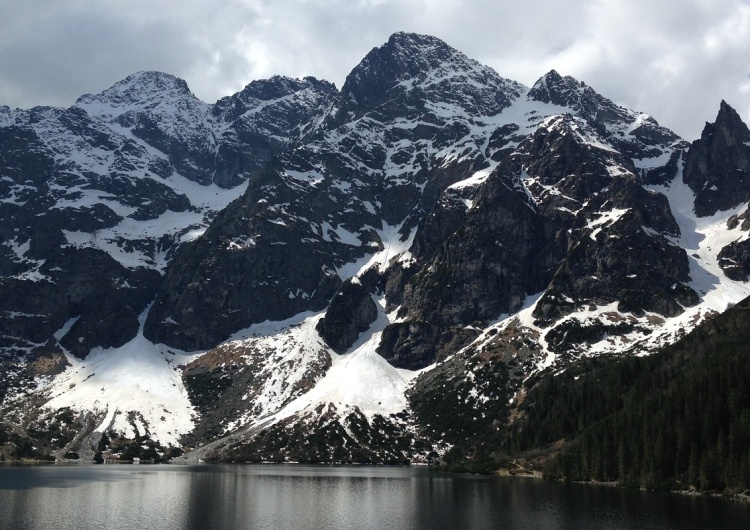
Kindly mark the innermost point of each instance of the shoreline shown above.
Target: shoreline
(691, 492)
(743, 497)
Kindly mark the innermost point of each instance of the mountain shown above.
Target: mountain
(371, 274)
(116, 183)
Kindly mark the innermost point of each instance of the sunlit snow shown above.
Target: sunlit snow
(360, 378)
(140, 377)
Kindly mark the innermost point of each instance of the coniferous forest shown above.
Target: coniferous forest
(679, 419)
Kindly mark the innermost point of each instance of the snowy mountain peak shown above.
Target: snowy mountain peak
(429, 67)
(278, 91)
(142, 89)
(414, 48)
(405, 56)
(634, 134)
(556, 89)
(280, 86)
(568, 92)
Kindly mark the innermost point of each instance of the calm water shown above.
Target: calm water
(299, 497)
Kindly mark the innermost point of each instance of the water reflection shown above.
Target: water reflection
(277, 497)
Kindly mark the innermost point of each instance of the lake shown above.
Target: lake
(363, 497)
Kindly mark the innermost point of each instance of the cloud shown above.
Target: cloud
(675, 59)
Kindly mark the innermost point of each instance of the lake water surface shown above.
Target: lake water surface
(366, 497)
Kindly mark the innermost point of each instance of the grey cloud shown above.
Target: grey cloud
(673, 59)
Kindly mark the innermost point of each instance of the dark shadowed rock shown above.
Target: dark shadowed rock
(734, 259)
(326, 203)
(717, 167)
(85, 287)
(503, 251)
(350, 312)
(622, 256)
(416, 344)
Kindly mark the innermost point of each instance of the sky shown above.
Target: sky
(673, 59)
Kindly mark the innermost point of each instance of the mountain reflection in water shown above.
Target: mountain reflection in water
(296, 496)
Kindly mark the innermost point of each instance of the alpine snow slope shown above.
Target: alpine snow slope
(298, 273)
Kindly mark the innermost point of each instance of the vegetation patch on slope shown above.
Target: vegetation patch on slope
(679, 419)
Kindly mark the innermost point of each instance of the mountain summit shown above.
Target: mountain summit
(142, 89)
(717, 167)
(427, 68)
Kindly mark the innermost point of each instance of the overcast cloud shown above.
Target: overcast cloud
(675, 59)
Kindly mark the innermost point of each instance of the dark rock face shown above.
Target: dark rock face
(415, 344)
(717, 167)
(381, 80)
(642, 138)
(47, 280)
(350, 312)
(570, 93)
(103, 297)
(734, 259)
(560, 214)
(255, 263)
(498, 255)
(159, 109)
(556, 155)
(366, 171)
(622, 256)
(83, 178)
(25, 161)
(265, 118)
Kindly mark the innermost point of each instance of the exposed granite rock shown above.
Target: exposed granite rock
(634, 135)
(717, 167)
(734, 260)
(265, 118)
(332, 200)
(380, 81)
(91, 176)
(622, 255)
(350, 312)
(104, 297)
(416, 344)
(526, 229)
(503, 251)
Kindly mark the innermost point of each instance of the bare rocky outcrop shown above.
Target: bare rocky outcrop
(717, 167)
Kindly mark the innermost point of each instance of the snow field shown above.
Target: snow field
(138, 377)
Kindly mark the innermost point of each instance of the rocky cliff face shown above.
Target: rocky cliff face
(97, 197)
(717, 167)
(317, 247)
(362, 183)
(541, 222)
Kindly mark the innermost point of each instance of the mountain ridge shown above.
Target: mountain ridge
(477, 231)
